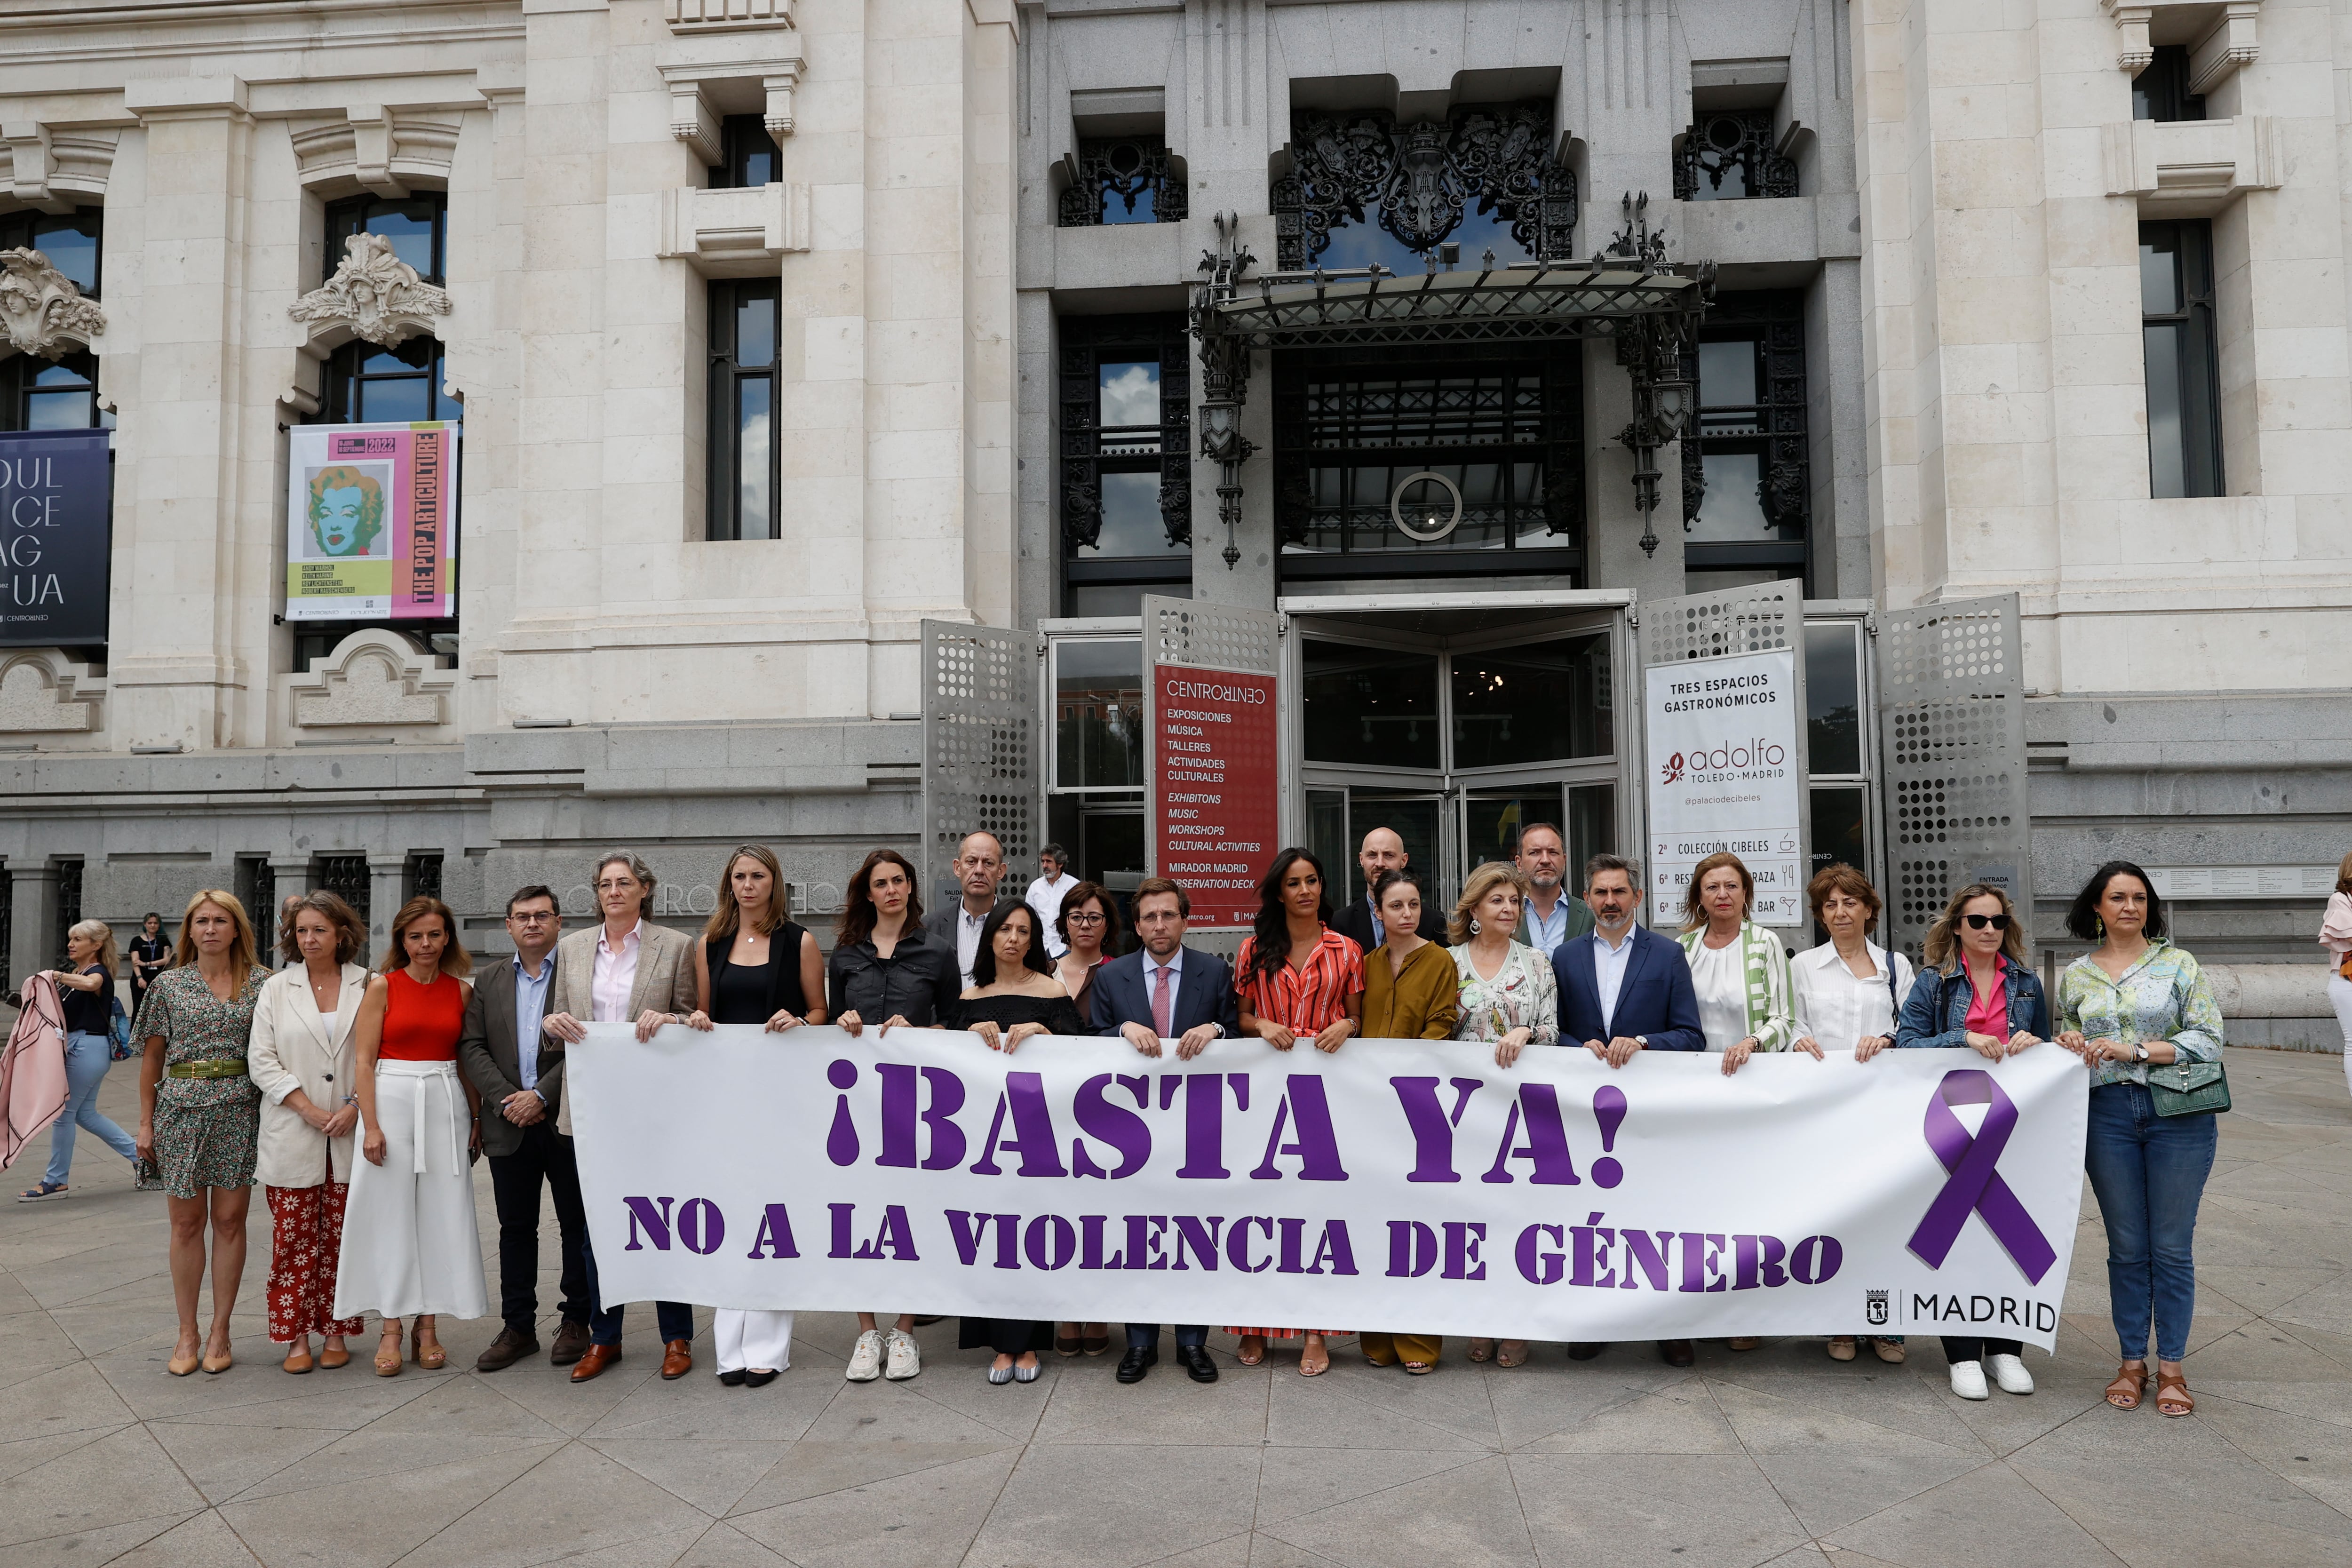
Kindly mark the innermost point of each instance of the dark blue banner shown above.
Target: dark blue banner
(55, 537)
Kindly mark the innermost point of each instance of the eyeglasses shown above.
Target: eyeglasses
(1997, 922)
(535, 917)
(1091, 918)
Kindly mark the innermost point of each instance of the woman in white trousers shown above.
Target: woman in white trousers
(2336, 935)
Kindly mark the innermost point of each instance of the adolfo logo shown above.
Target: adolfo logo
(1732, 756)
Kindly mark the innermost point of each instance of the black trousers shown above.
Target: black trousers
(1141, 1334)
(544, 1155)
(1960, 1350)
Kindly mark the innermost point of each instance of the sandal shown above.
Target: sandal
(432, 1358)
(46, 1190)
(1482, 1349)
(389, 1367)
(1505, 1356)
(2173, 1393)
(1308, 1368)
(1243, 1352)
(1421, 1368)
(2124, 1391)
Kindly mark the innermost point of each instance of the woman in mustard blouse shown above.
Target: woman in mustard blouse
(1410, 994)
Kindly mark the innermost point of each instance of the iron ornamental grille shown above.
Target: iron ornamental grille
(1730, 155)
(1420, 184)
(1091, 447)
(1757, 425)
(1124, 179)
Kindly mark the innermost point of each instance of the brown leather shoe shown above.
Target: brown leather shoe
(571, 1343)
(593, 1361)
(1676, 1352)
(678, 1360)
(509, 1348)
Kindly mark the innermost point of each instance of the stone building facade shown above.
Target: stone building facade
(777, 328)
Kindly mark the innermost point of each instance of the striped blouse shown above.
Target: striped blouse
(1308, 999)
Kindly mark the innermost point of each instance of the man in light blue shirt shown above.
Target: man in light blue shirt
(1554, 915)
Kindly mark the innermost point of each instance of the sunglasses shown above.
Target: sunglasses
(1997, 922)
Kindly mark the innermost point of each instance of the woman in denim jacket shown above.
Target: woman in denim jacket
(1978, 993)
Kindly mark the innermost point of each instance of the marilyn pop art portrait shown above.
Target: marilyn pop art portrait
(346, 507)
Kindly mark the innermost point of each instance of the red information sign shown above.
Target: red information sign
(1216, 788)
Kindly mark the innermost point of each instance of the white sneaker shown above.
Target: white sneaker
(2010, 1374)
(906, 1361)
(1968, 1380)
(865, 1361)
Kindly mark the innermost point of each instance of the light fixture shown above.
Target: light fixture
(1221, 427)
(1672, 405)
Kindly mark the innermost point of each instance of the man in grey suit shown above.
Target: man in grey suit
(979, 868)
(622, 969)
(519, 1072)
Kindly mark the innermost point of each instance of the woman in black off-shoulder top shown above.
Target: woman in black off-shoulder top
(1014, 997)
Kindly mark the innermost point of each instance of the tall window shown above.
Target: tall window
(364, 384)
(2176, 304)
(747, 154)
(1730, 155)
(2160, 92)
(744, 472)
(37, 394)
(1747, 498)
(1127, 468)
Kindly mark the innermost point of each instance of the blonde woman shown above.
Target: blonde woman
(1740, 971)
(86, 985)
(199, 1112)
(303, 1063)
(2336, 935)
(1508, 1000)
(1978, 993)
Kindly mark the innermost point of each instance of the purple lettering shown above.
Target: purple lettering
(1546, 1144)
(775, 1237)
(1413, 1247)
(1237, 1243)
(1302, 1104)
(1035, 1141)
(641, 1212)
(1116, 1125)
(1463, 1239)
(1050, 1242)
(1198, 1237)
(1536, 1266)
(701, 1226)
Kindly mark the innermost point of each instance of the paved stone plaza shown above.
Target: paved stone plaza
(1777, 1456)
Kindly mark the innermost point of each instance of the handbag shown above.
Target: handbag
(117, 1029)
(2188, 1088)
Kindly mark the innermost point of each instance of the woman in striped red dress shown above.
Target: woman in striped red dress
(1299, 980)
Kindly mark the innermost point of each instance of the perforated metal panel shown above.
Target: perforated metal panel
(1212, 636)
(980, 741)
(1952, 720)
(1765, 617)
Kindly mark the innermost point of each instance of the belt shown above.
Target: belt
(214, 1067)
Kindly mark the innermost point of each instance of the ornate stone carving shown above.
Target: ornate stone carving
(1417, 181)
(375, 294)
(41, 310)
(40, 694)
(374, 678)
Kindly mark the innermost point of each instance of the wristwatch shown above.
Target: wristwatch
(2139, 1052)
(1642, 1041)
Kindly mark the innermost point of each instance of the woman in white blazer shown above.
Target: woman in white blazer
(302, 1060)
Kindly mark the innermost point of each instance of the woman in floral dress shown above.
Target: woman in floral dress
(199, 1111)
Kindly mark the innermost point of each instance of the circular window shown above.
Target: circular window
(1426, 506)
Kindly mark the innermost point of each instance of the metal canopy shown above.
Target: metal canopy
(1585, 300)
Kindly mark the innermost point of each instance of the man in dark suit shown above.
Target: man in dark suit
(519, 1073)
(1359, 922)
(1625, 989)
(1167, 992)
(979, 868)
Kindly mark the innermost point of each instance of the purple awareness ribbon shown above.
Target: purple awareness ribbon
(1974, 1181)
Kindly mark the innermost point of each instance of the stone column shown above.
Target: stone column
(386, 895)
(191, 643)
(32, 920)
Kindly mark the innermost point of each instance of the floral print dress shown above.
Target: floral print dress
(206, 1128)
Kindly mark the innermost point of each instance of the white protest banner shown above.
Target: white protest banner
(1724, 775)
(1394, 1185)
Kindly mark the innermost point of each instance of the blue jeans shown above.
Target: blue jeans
(675, 1318)
(86, 1058)
(2149, 1172)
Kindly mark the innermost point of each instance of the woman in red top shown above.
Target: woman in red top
(410, 1245)
(1297, 979)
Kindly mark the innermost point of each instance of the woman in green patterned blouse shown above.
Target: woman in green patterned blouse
(2139, 1002)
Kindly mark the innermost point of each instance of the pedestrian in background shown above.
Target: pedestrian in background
(2134, 1004)
(1046, 894)
(199, 1112)
(86, 989)
(150, 956)
(304, 1061)
(2336, 935)
(1553, 914)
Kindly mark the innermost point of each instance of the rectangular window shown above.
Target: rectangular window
(1747, 500)
(257, 889)
(1732, 154)
(1098, 714)
(745, 475)
(2184, 416)
(2162, 92)
(346, 876)
(37, 394)
(748, 150)
(418, 226)
(422, 875)
(1126, 442)
(1124, 179)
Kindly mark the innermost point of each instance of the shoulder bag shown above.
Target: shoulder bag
(2188, 1088)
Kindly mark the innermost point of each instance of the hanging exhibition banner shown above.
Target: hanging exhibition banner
(371, 522)
(1725, 774)
(1394, 1185)
(56, 496)
(1212, 754)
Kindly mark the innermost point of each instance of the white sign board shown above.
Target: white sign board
(1724, 774)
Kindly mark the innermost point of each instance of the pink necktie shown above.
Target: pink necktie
(1162, 1004)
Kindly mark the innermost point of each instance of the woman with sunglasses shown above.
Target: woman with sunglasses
(1978, 994)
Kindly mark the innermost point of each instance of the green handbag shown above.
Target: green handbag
(2188, 1088)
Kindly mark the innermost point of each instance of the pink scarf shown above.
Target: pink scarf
(33, 1067)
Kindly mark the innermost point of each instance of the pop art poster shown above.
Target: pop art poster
(370, 523)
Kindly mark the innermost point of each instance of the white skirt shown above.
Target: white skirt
(747, 1339)
(410, 1244)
